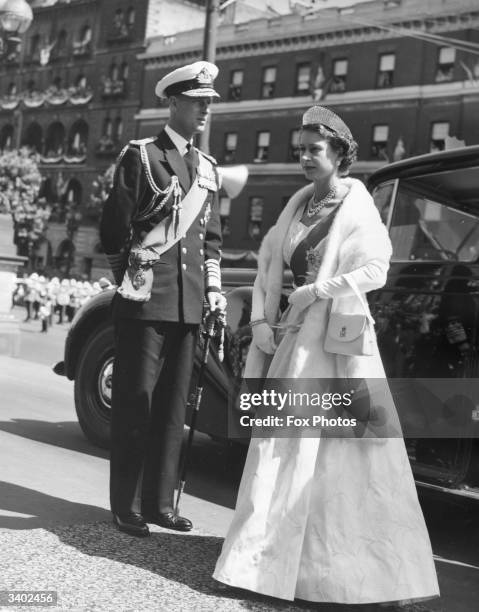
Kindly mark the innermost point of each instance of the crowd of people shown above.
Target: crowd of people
(44, 297)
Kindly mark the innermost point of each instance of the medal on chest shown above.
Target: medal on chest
(313, 258)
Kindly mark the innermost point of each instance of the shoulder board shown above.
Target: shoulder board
(143, 141)
(210, 158)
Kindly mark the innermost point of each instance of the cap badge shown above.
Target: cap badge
(204, 77)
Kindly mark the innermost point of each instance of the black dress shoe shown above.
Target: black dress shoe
(170, 520)
(132, 523)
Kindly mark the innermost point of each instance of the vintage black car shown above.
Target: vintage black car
(426, 317)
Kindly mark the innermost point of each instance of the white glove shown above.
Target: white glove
(216, 301)
(303, 296)
(263, 338)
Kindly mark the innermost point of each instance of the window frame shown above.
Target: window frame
(251, 220)
(445, 70)
(431, 136)
(260, 148)
(266, 84)
(377, 143)
(229, 154)
(339, 81)
(235, 91)
(297, 90)
(389, 82)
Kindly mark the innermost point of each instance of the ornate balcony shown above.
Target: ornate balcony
(56, 96)
(107, 147)
(80, 95)
(33, 99)
(114, 88)
(10, 101)
(81, 48)
(52, 157)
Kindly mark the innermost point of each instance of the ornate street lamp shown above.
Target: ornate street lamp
(15, 19)
(15, 16)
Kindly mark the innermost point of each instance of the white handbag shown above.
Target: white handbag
(350, 333)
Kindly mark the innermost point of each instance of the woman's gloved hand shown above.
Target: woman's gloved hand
(263, 338)
(303, 296)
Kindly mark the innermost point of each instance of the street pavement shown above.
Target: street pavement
(55, 526)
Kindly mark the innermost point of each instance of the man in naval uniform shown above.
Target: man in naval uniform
(161, 232)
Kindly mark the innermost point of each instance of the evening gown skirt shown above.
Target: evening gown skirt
(327, 520)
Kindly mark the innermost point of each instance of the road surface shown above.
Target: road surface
(55, 524)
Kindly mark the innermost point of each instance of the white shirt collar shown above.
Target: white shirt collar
(178, 140)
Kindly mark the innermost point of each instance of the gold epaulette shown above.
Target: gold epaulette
(143, 141)
(210, 158)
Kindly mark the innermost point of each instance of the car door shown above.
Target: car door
(427, 315)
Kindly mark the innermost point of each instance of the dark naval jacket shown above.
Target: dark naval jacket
(190, 266)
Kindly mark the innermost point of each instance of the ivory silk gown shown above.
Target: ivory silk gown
(327, 520)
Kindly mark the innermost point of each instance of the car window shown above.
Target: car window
(383, 195)
(433, 223)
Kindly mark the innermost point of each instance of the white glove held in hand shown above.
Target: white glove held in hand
(263, 338)
(302, 297)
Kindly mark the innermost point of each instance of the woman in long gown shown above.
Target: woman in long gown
(324, 519)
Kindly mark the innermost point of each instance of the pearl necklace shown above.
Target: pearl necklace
(314, 207)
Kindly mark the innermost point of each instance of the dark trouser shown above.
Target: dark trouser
(70, 312)
(151, 379)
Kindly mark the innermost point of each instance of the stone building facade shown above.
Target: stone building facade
(400, 72)
(71, 93)
(404, 74)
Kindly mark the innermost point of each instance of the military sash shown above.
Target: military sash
(138, 277)
(305, 249)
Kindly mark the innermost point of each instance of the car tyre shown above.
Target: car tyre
(92, 387)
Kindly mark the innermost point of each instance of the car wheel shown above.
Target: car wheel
(93, 386)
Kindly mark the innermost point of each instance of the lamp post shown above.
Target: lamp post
(15, 19)
(209, 54)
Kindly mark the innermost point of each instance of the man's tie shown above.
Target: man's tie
(190, 161)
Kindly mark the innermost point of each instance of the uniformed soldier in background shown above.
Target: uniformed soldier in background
(161, 232)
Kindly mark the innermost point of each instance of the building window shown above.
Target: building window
(81, 46)
(255, 218)
(439, 133)
(6, 137)
(77, 141)
(60, 49)
(262, 147)
(445, 64)
(340, 72)
(236, 85)
(379, 147)
(294, 146)
(55, 141)
(35, 46)
(130, 17)
(81, 81)
(303, 80)
(387, 63)
(114, 85)
(107, 128)
(118, 131)
(225, 209)
(231, 142)
(268, 82)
